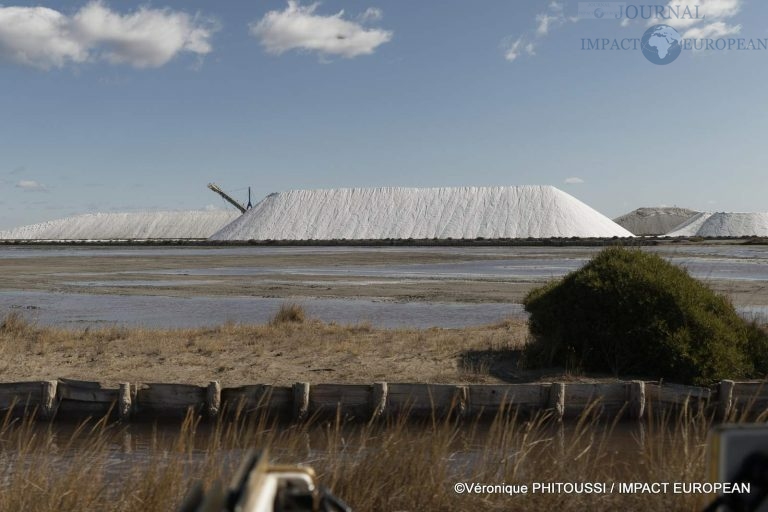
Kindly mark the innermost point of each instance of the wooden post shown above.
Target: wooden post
(557, 399)
(725, 398)
(641, 435)
(637, 399)
(378, 399)
(213, 399)
(124, 402)
(462, 401)
(48, 405)
(300, 400)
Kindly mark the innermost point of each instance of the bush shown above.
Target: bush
(289, 313)
(635, 314)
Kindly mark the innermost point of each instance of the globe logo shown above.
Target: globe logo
(661, 44)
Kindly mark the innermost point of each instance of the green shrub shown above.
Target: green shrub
(632, 313)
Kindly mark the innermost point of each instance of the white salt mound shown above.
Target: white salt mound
(420, 213)
(724, 224)
(654, 221)
(121, 226)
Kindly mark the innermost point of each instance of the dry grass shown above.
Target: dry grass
(282, 352)
(375, 467)
(290, 312)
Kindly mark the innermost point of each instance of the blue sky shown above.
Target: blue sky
(114, 107)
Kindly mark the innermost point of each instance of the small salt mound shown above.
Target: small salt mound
(654, 221)
(420, 213)
(724, 224)
(121, 226)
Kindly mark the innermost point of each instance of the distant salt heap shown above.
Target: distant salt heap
(654, 221)
(420, 213)
(122, 226)
(722, 224)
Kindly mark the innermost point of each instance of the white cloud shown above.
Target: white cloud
(371, 14)
(712, 30)
(711, 21)
(146, 38)
(31, 186)
(553, 17)
(573, 180)
(709, 11)
(299, 28)
(514, 48)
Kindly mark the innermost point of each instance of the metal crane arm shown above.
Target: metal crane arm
(226, 197)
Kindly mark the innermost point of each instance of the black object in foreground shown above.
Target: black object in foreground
(260, 487)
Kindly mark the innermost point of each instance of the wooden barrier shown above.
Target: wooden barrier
(602, 398)
(259, 398)
(76, 399)
(25, 397)
(425, 399)
(489, 399)
(749, 399)
(675, 396)
(351, 400)
(169, 400)
(66, 398)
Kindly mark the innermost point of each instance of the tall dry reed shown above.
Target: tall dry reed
(393, 465)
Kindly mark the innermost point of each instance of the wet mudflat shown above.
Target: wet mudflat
(387, 286)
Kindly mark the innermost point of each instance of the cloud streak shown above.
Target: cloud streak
(552, 18)
(514, 48)
(31, 186)
(712, 18)
(44, 38)
(301, 28)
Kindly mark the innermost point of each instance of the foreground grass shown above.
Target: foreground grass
(391, 467)
(290, 348)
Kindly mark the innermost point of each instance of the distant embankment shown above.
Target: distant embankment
(66, 399)
(410, 242)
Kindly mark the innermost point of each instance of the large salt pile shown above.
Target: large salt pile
(121, 226)
(724, 224)
(420, 213)
(654, 221)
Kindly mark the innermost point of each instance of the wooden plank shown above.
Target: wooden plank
(169, 399)
(490, 398)
(749, 397)
(582, 394)
(422, 399)
(676, 394)
(258, 397)
(352, 399)
(750, 390)
(22, 394)
(86, 391)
